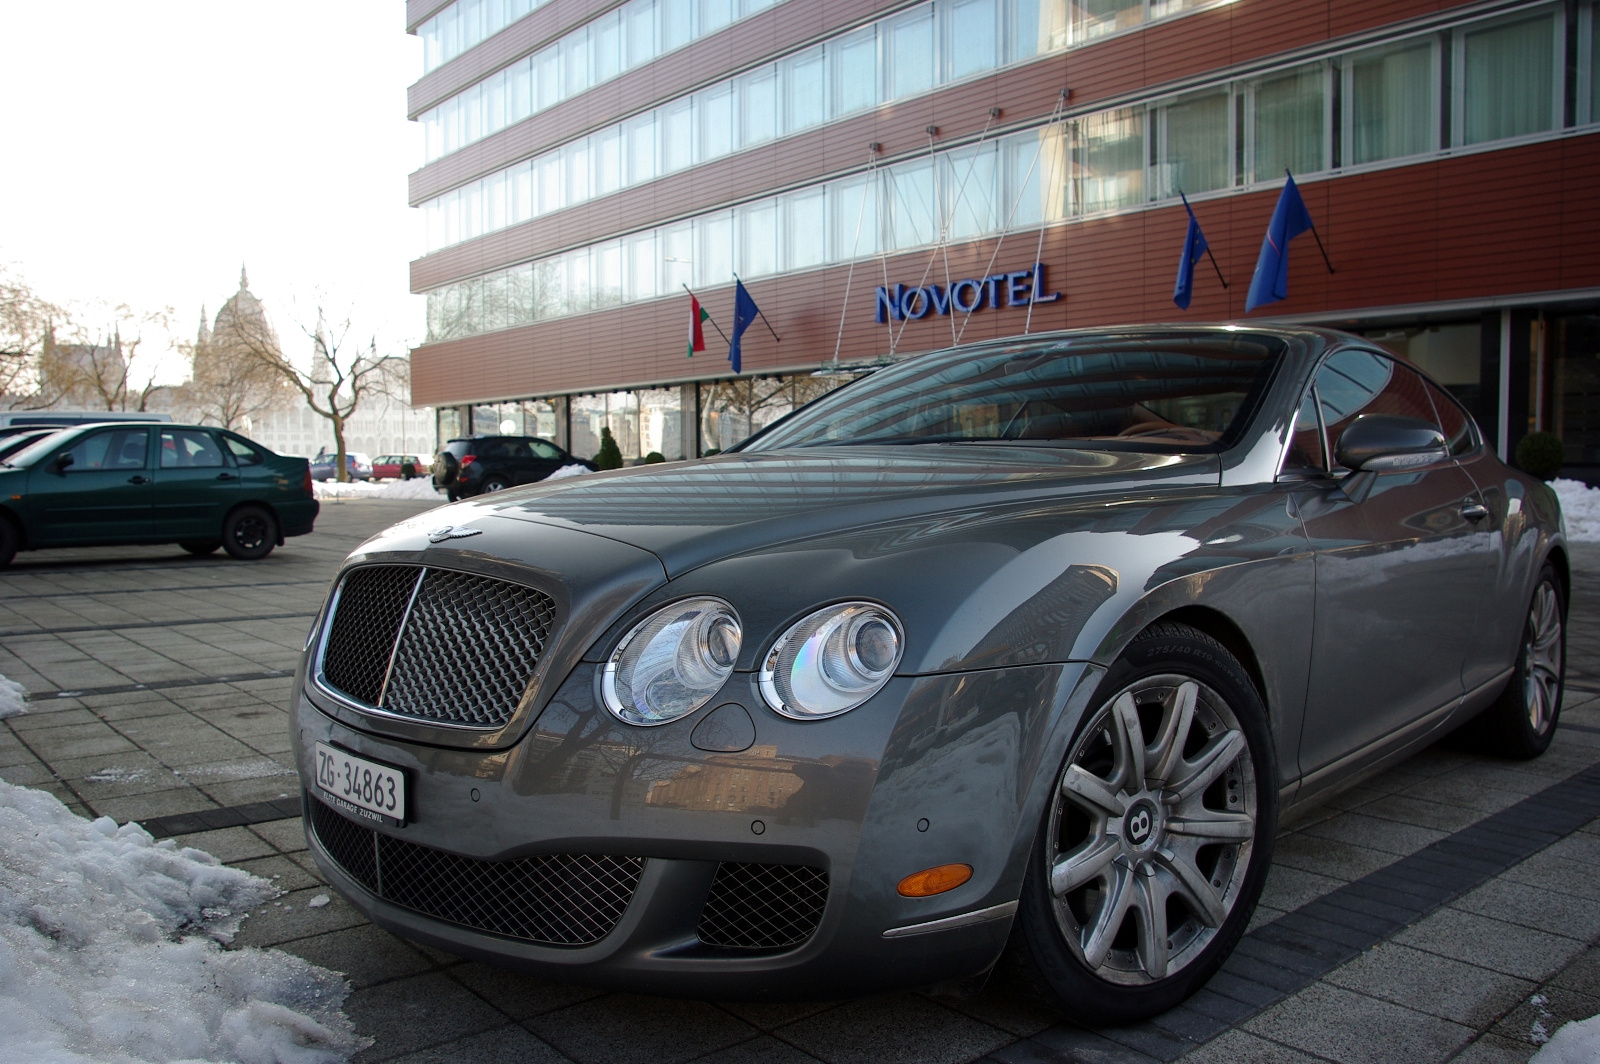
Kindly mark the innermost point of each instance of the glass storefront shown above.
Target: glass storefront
(1564, 381)
(730, 411)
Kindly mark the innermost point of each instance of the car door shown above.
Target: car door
(102, 496)
(1400, 572)
(195, 485)
(547, 458)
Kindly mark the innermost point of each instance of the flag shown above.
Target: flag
(1194, 245)
(744, 314)
(1289, 219)
(697, 318)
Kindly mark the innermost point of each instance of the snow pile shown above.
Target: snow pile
(1580, 505)
(566, 471)
(109, 952)
(1575, 1043)
(13, 698)
(415, 488)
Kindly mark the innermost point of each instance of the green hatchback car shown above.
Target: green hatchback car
(117, 483)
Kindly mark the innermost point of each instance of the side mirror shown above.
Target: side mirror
(62, 462)
(1381, 442)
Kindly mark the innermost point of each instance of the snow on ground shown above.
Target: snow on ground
(1580, 505)
(566, 471)
(1577, 1042)
(415, 488)
(13, 698)
(110, 952)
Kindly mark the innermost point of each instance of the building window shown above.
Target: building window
(1391, 102)
(1110, 160)
(1195, 144)
(1508, 79)
(1289, 123)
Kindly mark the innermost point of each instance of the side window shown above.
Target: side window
(1456, 423)
(1305, 446)
(189, 450)
(544, 450)
(116, 449)
(242, 452)
(1353, 383)
(492, 449)
(514, 449)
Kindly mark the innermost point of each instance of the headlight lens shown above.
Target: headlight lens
(673, 661)
(832, 661)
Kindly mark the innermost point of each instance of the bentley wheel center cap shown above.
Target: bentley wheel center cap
(1140, 822)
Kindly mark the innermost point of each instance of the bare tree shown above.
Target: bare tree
(229, 385)
(99, 370)
(25, 327)
(343, 374)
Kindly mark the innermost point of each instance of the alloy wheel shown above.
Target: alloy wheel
(1152, 829)
(1541, 658)
(250, 532)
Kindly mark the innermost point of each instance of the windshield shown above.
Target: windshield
(1172, 393)
(15, 444)
(38, 449)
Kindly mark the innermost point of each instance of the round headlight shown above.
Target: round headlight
(672, 662)
(832, 661)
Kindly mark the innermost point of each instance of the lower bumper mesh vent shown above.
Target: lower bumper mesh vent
(552, 899)
(762, 906)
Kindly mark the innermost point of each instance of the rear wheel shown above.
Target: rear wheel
(494, 483)
(1156, 843)
(201, 546)
(249, 533)
(1522, 721)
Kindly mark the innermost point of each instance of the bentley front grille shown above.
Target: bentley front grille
(562, 899)
(763, 906)
(435, 644)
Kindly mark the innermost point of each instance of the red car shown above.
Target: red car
(387, 466)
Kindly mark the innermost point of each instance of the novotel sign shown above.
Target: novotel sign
(1019, 288)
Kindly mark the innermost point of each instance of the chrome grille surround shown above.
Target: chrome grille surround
(559, 899)
(763, 906)
(431, 645)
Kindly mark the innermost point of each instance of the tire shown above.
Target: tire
(1522, 721)
(201, 546)
(496, 482)
(249, 533)
(452, 495)
(1088, 951)
(8, 542)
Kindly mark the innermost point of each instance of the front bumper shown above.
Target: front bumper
(933, 770)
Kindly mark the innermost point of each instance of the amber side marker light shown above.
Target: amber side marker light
(931, 881)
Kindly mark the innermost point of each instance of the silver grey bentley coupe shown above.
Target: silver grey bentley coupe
(1014, 651)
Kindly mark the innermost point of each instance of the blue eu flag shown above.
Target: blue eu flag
(744, 314)
(1194, 245)
(1289, 219)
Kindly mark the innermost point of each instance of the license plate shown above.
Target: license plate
(360, 787)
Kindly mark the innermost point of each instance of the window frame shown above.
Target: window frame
(1458, 73)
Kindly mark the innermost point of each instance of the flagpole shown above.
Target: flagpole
(1209, 255)
(709, 318)
(1314, 234)
(762, 315)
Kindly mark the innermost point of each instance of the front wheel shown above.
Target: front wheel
(1522, 721)
(1156, 842)
(249, 533)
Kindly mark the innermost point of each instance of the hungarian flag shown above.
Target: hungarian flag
(697, 333)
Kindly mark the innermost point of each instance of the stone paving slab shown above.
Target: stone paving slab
(183, 725)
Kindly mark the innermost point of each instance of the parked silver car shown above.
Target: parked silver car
(1023, 646)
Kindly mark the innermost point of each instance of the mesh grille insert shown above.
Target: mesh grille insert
(762, 906)
(564, 899)
(463, 654)
(372, 602)
(468, 649)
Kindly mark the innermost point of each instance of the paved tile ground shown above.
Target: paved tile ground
(159, 683)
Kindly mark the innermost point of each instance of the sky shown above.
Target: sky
(154, 146)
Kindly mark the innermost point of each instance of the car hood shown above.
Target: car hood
(692, 513)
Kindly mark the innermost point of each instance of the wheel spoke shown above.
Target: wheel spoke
(1214, 826)
(1165, 755)
(1193, 887)
(1211, 763)
(1150, 910)
(1128, 739)
(1108, 921)
(1091, 791)
(1080, 866)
